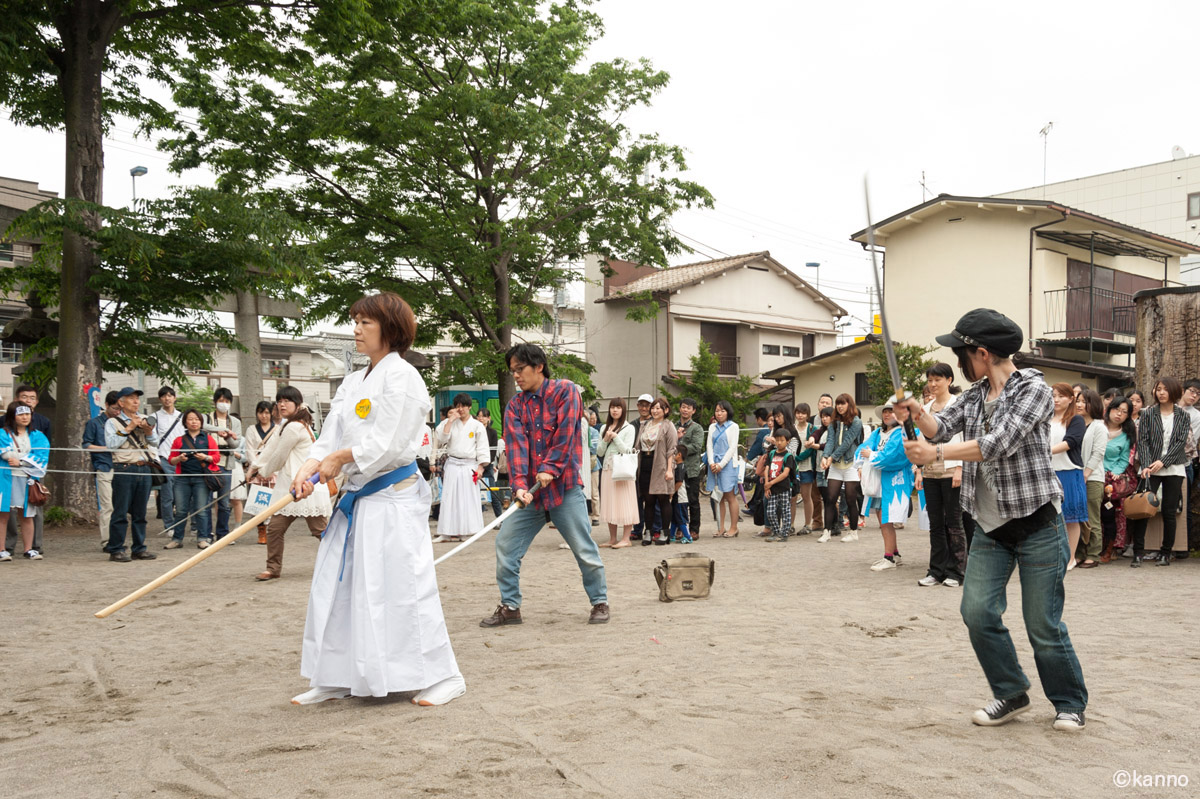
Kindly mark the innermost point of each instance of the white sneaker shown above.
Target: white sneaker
(851, 536)
(441, 692)
(928, 580)
(315, 695)
(883, 564)
(824, 537)
(173, 544)
(4, 556)
(203, 543)
(33, 554)
(951, 582)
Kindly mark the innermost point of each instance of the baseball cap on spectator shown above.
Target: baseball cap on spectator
(125, 392)
(645, 398)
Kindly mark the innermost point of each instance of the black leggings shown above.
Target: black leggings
(1172, 493)
(647, 502)
(831, 504)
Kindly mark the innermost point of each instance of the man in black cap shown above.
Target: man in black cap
(1012, 492)
(133, 443)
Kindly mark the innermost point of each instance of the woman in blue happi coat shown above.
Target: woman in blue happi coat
(884, 448)
(18, 442)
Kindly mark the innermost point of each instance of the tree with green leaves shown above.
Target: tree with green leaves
(913, 365)
(173, 259)
(77, 65)
(704, 385)
(465, 157)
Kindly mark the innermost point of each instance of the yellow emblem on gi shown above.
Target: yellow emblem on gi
(470, 435)
(363, 408)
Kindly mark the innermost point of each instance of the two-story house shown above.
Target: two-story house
(1066, 276)
(754, 313)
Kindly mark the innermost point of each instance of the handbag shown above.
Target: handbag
(624, 466)
(1143, 504)
(38, 494)
(870, 481)
(689, 576)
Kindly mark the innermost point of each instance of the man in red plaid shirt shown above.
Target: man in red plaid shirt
(542, 437)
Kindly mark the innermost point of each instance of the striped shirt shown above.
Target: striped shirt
(1017, 439)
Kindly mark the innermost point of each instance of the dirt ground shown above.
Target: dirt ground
(805, 674)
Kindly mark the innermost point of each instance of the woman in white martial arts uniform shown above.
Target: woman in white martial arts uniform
(463, 440)
(375, 623)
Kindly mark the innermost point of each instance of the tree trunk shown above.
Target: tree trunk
(85, 32)
(1168, 335)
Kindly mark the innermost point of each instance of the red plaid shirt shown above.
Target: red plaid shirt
(542, 434)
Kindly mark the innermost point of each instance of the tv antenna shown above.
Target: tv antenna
(1045, 134)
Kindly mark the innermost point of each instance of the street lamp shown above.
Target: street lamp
(136, 173)
(817, 266)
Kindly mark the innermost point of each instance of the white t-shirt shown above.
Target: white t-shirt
(1179, 469)
(162, 423)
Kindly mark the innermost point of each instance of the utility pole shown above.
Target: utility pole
(1045, 134)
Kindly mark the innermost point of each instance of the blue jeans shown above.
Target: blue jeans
(130, 495)
(222, 524)
(489, 474)
(166, 496)
(191, 497)
(1041, 560)
(518, 532)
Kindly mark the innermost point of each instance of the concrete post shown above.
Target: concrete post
(249, 363)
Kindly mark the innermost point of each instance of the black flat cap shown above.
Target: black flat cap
(985, 328)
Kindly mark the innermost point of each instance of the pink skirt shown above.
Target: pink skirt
(618, 500)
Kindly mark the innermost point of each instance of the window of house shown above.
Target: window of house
(1194, 205)
(6, 251)
(791, 352)
(862, 391)
(548, 327)
(10, 353)
(277, 369)
(810, 344)
(770, 349)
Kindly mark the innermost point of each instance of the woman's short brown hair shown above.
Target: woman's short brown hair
(397, 323)
(1172, 385)
(665, 403)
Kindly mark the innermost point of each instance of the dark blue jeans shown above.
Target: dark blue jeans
(191, 497)
(166, 496)
(1041, 561)
(131, 494)
(489, 474)
(221, 527)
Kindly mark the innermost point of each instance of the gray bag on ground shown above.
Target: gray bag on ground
(689, 576)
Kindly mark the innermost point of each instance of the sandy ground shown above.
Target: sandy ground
(805, 674)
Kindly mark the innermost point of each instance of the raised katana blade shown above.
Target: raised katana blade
(513, 508)
(889, 349)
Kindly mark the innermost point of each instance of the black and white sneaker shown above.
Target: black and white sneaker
(1000, 711)
(1069, 722)
(33, 554)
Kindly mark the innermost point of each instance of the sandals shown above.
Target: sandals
(727, 535)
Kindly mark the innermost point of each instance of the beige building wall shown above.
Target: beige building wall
(939, 269)
(1152, 197)
(630, 358)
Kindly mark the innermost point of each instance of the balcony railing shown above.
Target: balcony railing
(1090, 313)
(730, 365)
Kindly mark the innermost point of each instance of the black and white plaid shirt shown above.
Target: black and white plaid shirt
(1017, 439)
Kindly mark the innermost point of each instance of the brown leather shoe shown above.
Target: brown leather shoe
(600, 614)
(503, 615)
(264, 576)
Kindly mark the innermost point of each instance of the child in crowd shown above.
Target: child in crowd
(777, 486)
(679, 499)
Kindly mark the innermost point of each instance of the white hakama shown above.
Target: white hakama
(379, 629)
(375, 623)
(462, 512)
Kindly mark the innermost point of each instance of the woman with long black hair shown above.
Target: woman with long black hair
(843, 438)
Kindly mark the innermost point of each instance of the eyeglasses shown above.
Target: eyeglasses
(516, 370)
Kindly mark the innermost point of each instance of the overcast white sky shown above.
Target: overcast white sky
(784, 106)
